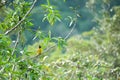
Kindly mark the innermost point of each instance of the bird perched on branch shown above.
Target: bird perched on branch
(39, 51)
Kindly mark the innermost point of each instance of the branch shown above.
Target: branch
(46, 50)
(17, 25)
(70, 31)
(13, 66)
(64, 38)
(72, 76)
(56, 43)
(17, 40)
(18, 37)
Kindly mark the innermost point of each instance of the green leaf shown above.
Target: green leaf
(29, 24)
(51, 14)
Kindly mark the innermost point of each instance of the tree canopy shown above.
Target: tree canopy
(77, 40)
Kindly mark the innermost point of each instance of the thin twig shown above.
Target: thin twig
(71, 78)
(18, 37)
(7, 32)
(17, 25)
(56, 43)
(13, 67)
(16, 43)
(70, 31)
(46, 50)
(64, 38)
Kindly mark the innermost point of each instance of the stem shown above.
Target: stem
(70, 31)
(56, 43)
(13, 67)
(18, 37)
(17, 25)
(48, 2)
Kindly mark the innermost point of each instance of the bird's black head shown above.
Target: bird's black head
(39, 46)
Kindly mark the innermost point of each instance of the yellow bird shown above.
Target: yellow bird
(39, 51)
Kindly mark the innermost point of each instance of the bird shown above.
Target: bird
(39, 51)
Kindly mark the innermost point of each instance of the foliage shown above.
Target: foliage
(92, 55)
(15, 15)
(50, 13)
